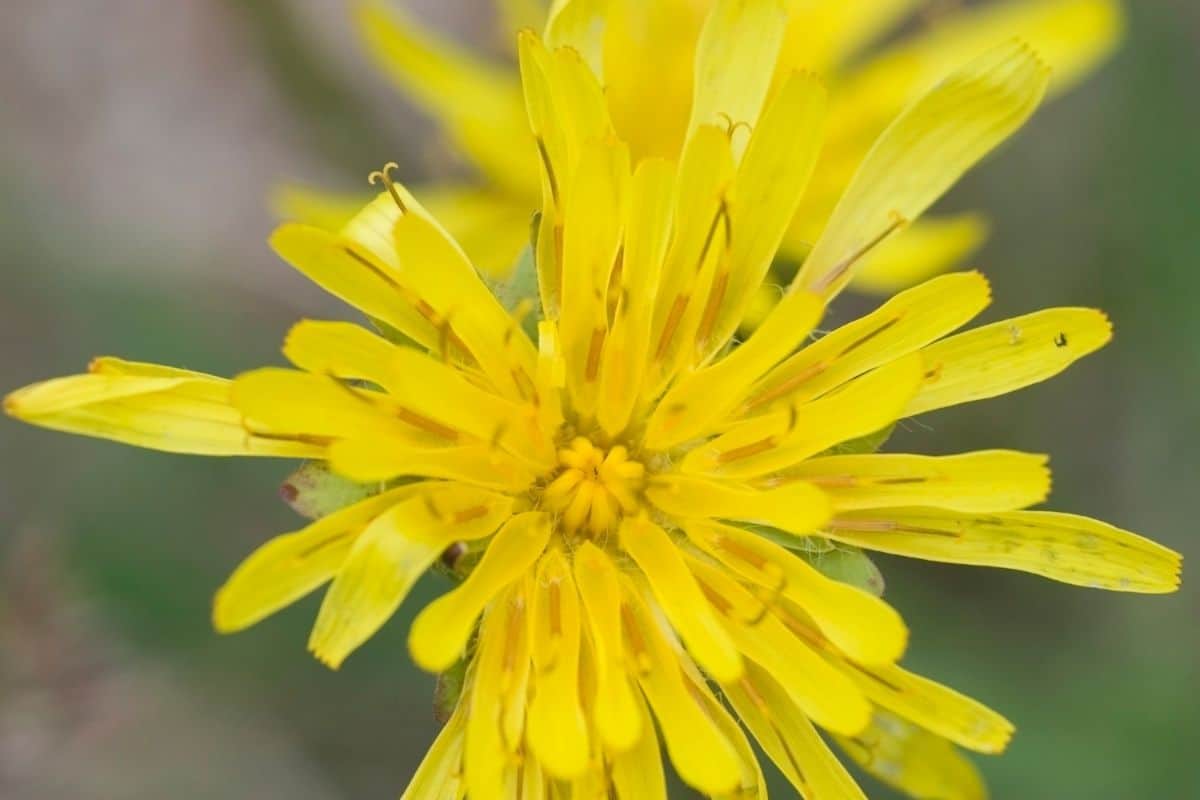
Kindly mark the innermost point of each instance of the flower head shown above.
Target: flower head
(632, 483)
(477, 102)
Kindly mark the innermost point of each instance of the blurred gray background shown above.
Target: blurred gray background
(140, 142)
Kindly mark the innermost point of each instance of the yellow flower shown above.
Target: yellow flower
(478, 102)
(631, 487)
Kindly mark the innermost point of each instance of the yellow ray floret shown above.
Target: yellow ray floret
(797, 508)
(700, 751)
(698, 400)
(1005, 356)
(826, 695)
(751, 783)
(680, 598)
(388, 557)
(777, 440)
(1063, 547)
(646, 235)
(440, 632)
(942, 710)
(861, 624)
(147, 405)
(789, 739)
(558, 731)
(771, 179)
(291, 565)
(993, 480)
(489, 757)
(907, 322)
(620, 719)
(440, 776)
(349, 271)
(638, 773)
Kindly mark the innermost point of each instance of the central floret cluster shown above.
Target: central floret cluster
(594, 487)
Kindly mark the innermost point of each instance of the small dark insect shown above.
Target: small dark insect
(453, 553)
(1061, 339)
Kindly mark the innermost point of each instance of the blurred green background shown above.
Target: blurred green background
(140, 142)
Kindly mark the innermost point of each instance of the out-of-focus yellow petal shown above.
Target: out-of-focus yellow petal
(924, 249)
(770, 181)
(823, 692)
(492, 227)
(440, 632)
(905, 323)
(642, 39)
(479, 104)
(557, 729)
(735, 59)
(317, 207)
(388, 557)
(921, 154)
(440, 775)
(859, 623)
(291, 565)
(1062, 547)
(619, 717)
(821, 35)
(647, 232)
(516, 15)
(1072, 36)
(789, 739)
(913, 760)
(778, 440)
(698, 400)
(146, 405)
(797, 508)
(704, 758)
(680, 598)
(991, 480)
(1008, 355)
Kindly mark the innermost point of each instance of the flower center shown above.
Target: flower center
(594, 488)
